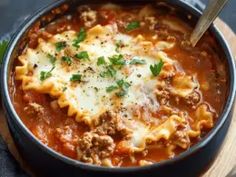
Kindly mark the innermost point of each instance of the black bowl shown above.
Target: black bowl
(47, 162)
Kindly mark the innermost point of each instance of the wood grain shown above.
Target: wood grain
(225, 160)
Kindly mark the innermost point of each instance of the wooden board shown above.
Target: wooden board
(225, 160)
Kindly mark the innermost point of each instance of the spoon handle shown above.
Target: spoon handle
(209, 15)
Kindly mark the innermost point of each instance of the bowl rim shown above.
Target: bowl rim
(201, 144)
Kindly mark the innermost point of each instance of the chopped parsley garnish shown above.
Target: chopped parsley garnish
(96, 89)
(64, 89)
(60, 45)
(76, 77)
(136, 61)
(67, 60)
(80, 37)
(82, 55)
(101, 61)
(118, 44)
(121, 85)
(156, 68)
(46, 74)
(117, 60)
(110, 72)
(51, 58)
(133, 25)
(3, 47)
(111, 88)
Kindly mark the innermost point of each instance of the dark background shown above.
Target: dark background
(228, 14)
(14, 12)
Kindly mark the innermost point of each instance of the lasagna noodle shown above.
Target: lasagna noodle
(55, 84)
(89, 106)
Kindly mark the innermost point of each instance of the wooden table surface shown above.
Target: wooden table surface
(225, 160)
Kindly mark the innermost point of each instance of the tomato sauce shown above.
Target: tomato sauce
(60, 132)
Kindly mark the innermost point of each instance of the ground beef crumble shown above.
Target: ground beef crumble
(94, 148)
(34, 108)
(152, 21)
(110, 125)
(98, 144)
(87, 15)
(193, 99)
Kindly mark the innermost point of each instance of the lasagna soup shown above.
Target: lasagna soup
(118, 86)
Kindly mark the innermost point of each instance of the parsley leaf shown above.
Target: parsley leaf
(67, 60)
(60, 45)
(64, 89)
(3, 47)
(156, 68)
(80, 37)
(111, 88)
(136, 61)
(82, 55)
(133, 25)
(76, 77)
(117, 60)
(51, 58)
(101, 61)
(118, 44)
(110, 72)
(122, 86)
(46, 74)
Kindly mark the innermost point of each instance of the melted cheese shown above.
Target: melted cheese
(88, 99)
(183, 85)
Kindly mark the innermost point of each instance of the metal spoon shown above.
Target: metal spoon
(209, 15)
